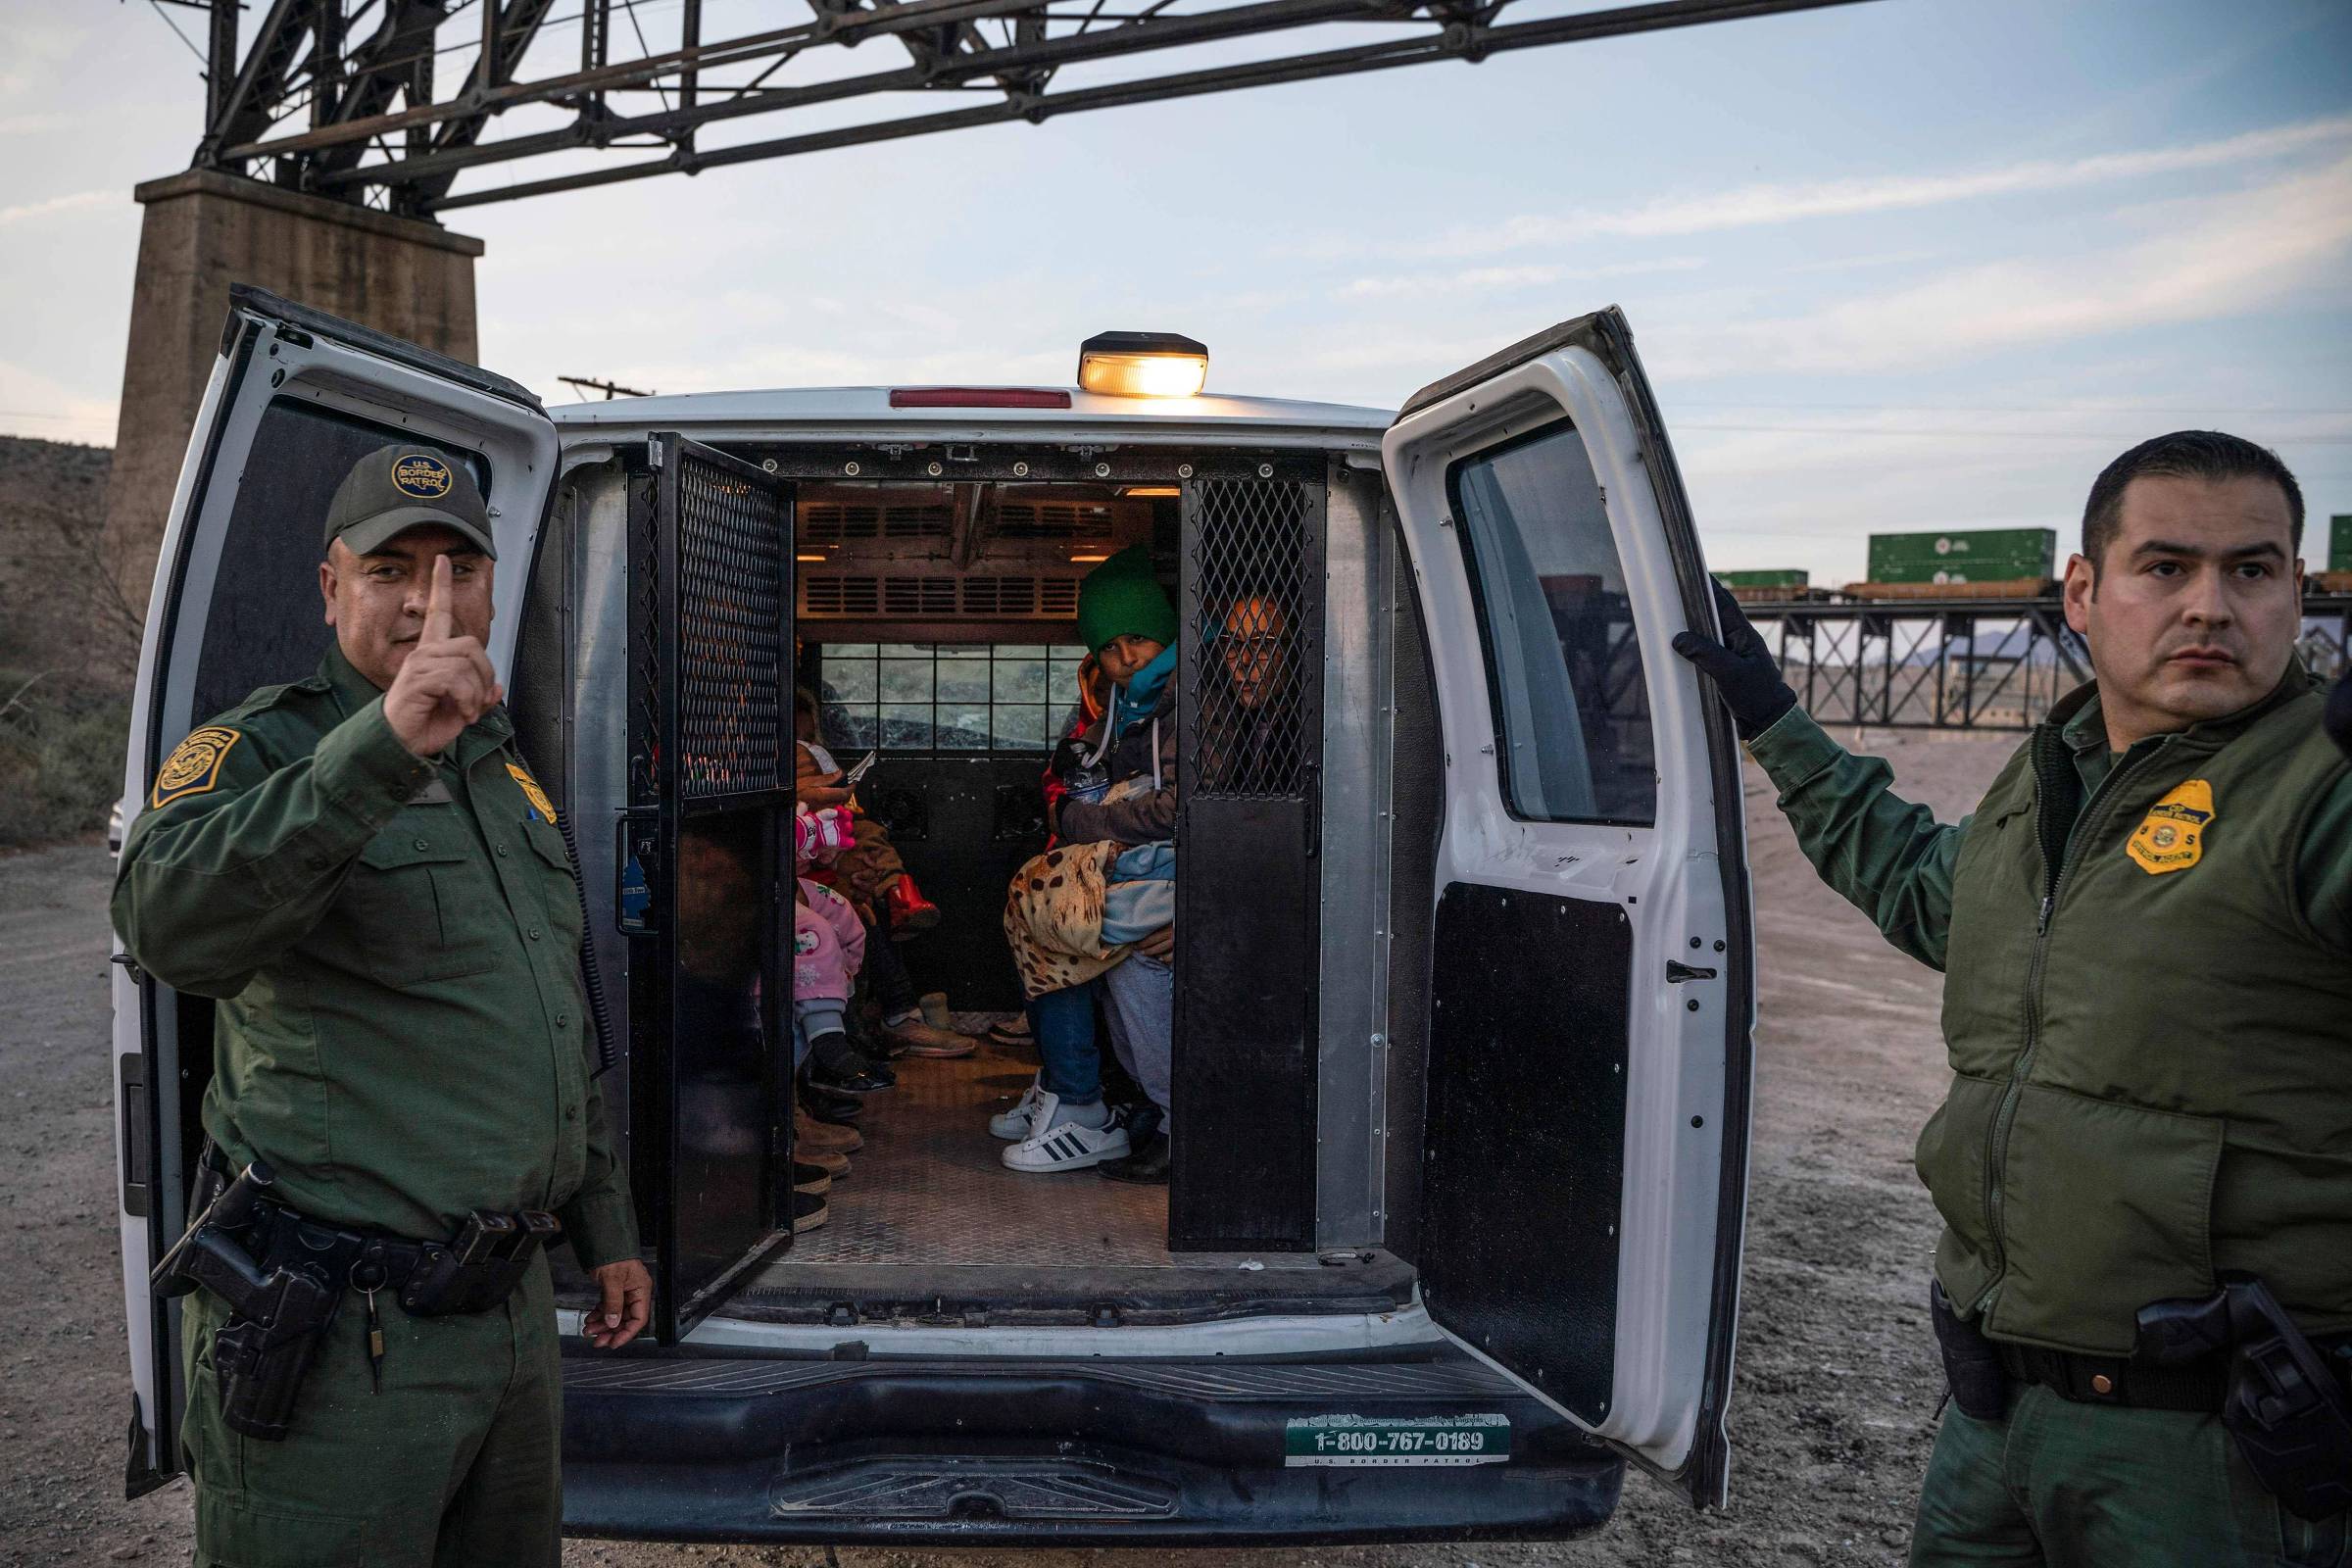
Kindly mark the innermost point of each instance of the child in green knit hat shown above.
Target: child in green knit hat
(1121, 598)
(1126, 622)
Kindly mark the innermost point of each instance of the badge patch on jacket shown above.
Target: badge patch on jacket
(542, 808)
(2172, 836)
(194, 766)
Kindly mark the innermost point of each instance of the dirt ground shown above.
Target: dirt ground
(1836, 1383)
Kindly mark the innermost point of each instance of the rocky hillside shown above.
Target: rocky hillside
(67, 644)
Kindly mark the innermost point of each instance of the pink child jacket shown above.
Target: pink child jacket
(829, 945)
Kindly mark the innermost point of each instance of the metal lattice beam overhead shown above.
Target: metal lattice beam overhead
(339, 97)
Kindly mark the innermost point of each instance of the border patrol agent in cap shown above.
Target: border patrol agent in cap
(2143, 1290)
(362, 869)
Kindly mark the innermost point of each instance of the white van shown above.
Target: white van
(1464, 963)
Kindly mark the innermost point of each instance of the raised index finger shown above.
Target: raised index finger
(439, 624)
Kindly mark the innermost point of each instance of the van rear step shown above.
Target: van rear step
(1195, 1287)
(686, 1447)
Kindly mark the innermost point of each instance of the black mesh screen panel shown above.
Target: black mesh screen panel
(710, 696)
(1257, 656)
(1247, 887)
(733, 696)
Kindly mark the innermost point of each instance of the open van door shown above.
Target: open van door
(296, 397)
(710, 773)
(1585, 1164)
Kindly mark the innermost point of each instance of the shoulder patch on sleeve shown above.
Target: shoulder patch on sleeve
(541, 805)
(194, 766)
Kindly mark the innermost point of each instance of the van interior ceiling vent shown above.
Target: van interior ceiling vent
(976, 552)
(858, 595)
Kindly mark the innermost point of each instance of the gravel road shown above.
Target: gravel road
(1836, 1382)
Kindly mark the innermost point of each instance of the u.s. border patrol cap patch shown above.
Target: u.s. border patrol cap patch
(399, 487)
(194, 766)
(2172, 836)
(421, 474)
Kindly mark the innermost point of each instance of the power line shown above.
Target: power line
(2007, 408)
(1950, 434)
(176, 33)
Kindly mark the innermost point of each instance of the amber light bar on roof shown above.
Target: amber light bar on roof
(1143, 365)
(978, 397)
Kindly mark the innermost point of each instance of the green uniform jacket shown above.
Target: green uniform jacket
(2148, 1009)
(402, 1031)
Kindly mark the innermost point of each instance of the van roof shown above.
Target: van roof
(854, 413)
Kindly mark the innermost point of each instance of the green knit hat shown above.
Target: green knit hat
(1121, 598)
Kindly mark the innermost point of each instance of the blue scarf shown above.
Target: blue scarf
(1132, 704)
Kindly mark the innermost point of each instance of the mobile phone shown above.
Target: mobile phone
(849, 780)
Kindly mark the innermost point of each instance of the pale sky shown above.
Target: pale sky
(1919, 264)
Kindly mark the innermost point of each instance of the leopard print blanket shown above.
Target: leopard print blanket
(1054, 917)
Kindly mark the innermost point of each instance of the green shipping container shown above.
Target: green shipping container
(1784, 578)
(1981, 555)
(2339, 542)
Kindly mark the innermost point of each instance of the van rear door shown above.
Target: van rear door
(295, 399)
(710, 771)
(1592, 967)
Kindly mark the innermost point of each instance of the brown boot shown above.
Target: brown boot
(916, 1038)
(825, 1159)
(828, 1137)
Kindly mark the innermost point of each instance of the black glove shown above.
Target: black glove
(2339, 711)
(1740, 667)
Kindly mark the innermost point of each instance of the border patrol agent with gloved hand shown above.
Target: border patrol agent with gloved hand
(361, 867)
(2144, 1289)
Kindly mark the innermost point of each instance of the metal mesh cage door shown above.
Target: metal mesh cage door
(1250, 715)
(710, 785)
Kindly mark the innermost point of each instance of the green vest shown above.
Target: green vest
(2152, 1047)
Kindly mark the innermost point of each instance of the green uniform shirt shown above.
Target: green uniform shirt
(402, 1031)
(1892, 860)
(2148, 1012)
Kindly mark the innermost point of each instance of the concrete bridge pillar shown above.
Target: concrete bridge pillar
(204, 231)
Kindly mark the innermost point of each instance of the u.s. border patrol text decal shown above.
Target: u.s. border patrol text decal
(1348, 1442)
(194, 766)
(421, 474)
(2172, 836)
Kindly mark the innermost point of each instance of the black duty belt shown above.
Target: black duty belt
(473, 1271)
(2198, 1386)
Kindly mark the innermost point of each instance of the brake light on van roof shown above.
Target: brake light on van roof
(978, 397)
(1143, 365)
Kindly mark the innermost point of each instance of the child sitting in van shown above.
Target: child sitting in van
(828, 946)
(1095, 909)
(870, 874)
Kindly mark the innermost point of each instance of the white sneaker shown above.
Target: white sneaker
(1014, 1125)
(1068, 1146)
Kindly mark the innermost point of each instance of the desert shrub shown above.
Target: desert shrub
(60, 754)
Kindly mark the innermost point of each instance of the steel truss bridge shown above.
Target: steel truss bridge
(392, 103)
(1962, 664)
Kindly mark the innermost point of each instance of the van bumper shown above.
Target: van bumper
(679, 1447)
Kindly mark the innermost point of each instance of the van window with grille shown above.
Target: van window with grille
(1571, 710)
(947, 697)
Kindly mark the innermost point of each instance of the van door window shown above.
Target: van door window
(263, 624)
(947, 697)
(1562, 661)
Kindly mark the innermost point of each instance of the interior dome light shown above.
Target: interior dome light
(1143, 365)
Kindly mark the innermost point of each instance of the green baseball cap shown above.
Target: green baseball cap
(396, 488)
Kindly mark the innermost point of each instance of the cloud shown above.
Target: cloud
(1756, 206)
(62, 204)
(2197, 260)
(1499, 278)
(37, 405)
(31, 50)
